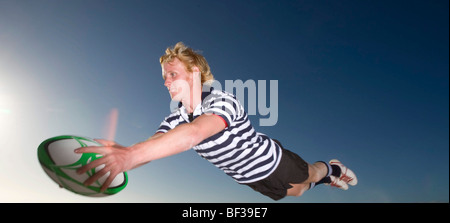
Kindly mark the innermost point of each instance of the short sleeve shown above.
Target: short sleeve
(224, 105)
(170, 122)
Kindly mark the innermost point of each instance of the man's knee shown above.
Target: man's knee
(297, 190)
(297, 194)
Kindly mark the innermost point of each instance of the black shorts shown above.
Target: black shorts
(291, 169)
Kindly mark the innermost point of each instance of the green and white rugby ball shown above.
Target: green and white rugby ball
(58, 159)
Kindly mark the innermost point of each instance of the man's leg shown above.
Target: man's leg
(316, 171)
(334, 174)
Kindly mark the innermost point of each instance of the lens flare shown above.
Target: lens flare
(5, 111)
(109, 132)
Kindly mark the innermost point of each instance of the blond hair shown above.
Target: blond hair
(190, 59)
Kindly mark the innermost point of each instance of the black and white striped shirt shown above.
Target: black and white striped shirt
(241, 152)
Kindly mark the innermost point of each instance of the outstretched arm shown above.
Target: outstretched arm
(118, 158)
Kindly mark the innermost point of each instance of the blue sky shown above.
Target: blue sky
(362, 81)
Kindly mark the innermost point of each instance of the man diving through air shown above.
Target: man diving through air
(215, 125)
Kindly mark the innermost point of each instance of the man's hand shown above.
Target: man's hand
(115, 160)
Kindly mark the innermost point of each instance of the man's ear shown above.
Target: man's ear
(195, 69)
(196, 77)
(196, 72)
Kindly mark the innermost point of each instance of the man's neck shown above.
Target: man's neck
(196, 99)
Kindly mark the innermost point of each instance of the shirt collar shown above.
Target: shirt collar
(204, 95)
(197, 110)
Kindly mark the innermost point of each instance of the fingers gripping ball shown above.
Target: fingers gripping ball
(58, 159)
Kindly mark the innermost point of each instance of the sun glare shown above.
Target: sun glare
(6, 117)
(6, 103)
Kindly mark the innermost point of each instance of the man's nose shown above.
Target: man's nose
(167, 82)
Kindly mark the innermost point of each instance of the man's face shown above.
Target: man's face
(177, 80)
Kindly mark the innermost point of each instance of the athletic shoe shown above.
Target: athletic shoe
(336, 182)
(347, 175)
